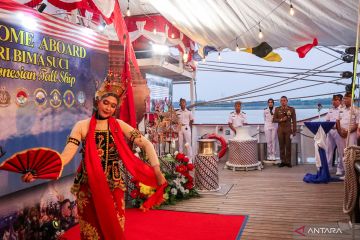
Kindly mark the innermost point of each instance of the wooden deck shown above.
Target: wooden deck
(276, 201)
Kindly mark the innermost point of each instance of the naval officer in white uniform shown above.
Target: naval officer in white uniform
(333, 138)
(348, 119)
(237, 118)
(270, 129)
(186, 121)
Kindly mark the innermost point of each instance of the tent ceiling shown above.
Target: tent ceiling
(219, 23)
(138, 7)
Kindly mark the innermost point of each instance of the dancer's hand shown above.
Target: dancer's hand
(28, 177)
(159, 176)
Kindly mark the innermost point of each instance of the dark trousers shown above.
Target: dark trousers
(284, 134)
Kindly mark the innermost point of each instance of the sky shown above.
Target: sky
(213, 85)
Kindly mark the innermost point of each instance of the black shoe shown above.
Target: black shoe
(282, 165)
(289, 165)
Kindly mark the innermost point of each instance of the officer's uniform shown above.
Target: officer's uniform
(333, 138)
(185, 116)
(344, 117)
(270, 129)
(237, 119)
(284, 131)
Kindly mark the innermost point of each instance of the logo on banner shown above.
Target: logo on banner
(4, 97)
(81, 98)
(55, 100)
(21, 97)
(69, 98)
(40, 97)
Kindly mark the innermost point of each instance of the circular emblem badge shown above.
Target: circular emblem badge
(40, 97)
(69, 98)
(4, 97)
(55, 98)
(81, 98)
(21, 97)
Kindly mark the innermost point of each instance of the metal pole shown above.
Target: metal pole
(192, 101)
(192, 91)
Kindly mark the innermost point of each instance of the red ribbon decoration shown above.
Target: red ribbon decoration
(303, 50)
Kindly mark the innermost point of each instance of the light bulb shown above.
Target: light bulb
(128, 13)
(154, 31)
(292, 12)
(172, 35)
(237, 48)
(260, 34)
(203, 60)
(101, 27)
(219, 57)
(185, 57)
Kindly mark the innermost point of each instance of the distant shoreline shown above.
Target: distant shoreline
(256, 105)
(205, 108)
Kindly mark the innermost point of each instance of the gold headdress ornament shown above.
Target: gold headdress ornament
(112, 84)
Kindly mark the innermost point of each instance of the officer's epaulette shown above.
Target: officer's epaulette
(243, 112)
(265, 108)
(177, 110)
(231, 112)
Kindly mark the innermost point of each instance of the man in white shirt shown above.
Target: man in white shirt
(347, 121)
(237, 118)
(270, 129)
(333, 138)
(186, 121)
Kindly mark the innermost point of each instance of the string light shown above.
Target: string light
(237, 46)
(154, 31)
(172, 35)
(102, 27)
(185, 56)
(261, 35)
(128, 13)
(292, 12)
(219, 57)
(264, 18)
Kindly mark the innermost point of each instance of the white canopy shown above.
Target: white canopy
(219, 23)
(225, 23)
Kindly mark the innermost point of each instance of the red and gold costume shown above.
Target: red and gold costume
(99, 181)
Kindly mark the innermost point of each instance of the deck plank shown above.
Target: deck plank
(276, 200)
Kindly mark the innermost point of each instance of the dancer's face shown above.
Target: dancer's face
(107, 106)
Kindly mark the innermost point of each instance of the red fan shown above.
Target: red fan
(43, 163)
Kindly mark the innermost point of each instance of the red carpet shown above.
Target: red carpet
(172, 225)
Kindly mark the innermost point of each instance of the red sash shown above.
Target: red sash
(101, 194)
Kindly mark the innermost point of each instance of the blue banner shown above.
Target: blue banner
(48, 77)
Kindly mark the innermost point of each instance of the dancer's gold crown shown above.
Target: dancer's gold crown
(112, 84)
